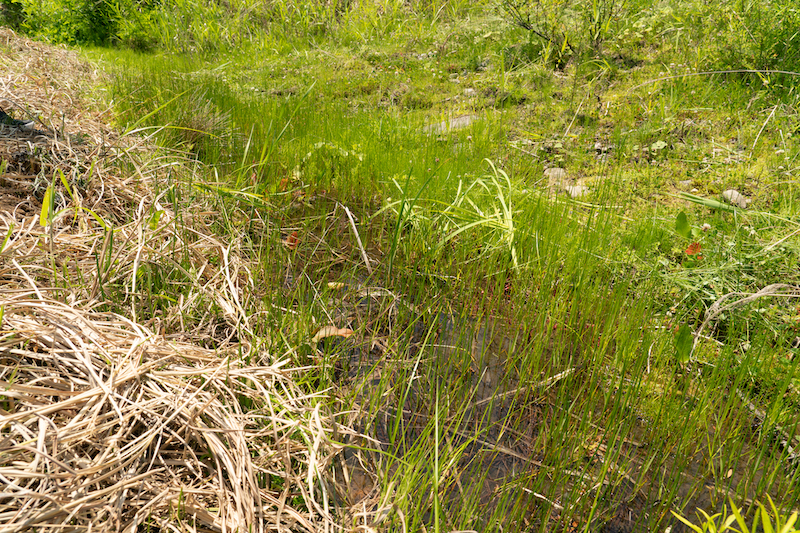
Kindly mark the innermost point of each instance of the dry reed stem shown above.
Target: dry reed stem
(106, 423)
(102, 418)
(781, 290)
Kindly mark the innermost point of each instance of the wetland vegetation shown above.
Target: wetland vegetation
(534, 263)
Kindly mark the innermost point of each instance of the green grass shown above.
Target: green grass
(328, 111)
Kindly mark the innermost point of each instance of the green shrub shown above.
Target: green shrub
(68, 21)
(566, 28)
(759, 35)
(86, 22)
(135, 24)
(11, 13)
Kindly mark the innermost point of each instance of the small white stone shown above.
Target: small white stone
(733, 197)
(555, 173)
(576, 191)
(556, 178)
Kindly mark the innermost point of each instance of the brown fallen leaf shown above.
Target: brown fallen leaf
(330, 331)
(694, 249)
(291, 241)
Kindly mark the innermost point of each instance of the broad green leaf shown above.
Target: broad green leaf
(65, 183)
(155, 218)
(739, 518)
(253, 199)
(97, 217)
(766, 522)
(787, 528)
(683, 344)
(682, 519)
(658, 145)
(726, 525)
(47, 202)
(707, 202)
(682, 226)
(709, 522)
(8, 237)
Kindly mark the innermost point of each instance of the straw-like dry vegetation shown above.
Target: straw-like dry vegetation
(399, 265)
(113, 417)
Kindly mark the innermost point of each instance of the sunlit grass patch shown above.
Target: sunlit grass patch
(521, 351)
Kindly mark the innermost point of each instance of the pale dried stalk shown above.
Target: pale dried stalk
(104, 424)
(96, 408)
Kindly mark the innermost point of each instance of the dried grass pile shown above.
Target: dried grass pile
(106, 424)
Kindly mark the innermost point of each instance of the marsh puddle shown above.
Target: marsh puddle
(466, 360)
(500, 419)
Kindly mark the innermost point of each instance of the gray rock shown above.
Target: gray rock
(558, 181)
(556, 178)
(555, 174)
(602, 148)
(734, 197)
(576, 191)
(24, 125)
(457, 123)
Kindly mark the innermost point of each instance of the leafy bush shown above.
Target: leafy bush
(566, 28)
(92, 22)
(135, 24)
(11, 13)
(210, 26)
(66, 21)
(759, 35)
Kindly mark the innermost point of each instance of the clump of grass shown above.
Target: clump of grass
(518, 358)
(113, 282)
(765, 518)
(182, 421)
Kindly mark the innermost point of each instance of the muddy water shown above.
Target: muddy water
(468, 360)
(475, 365)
